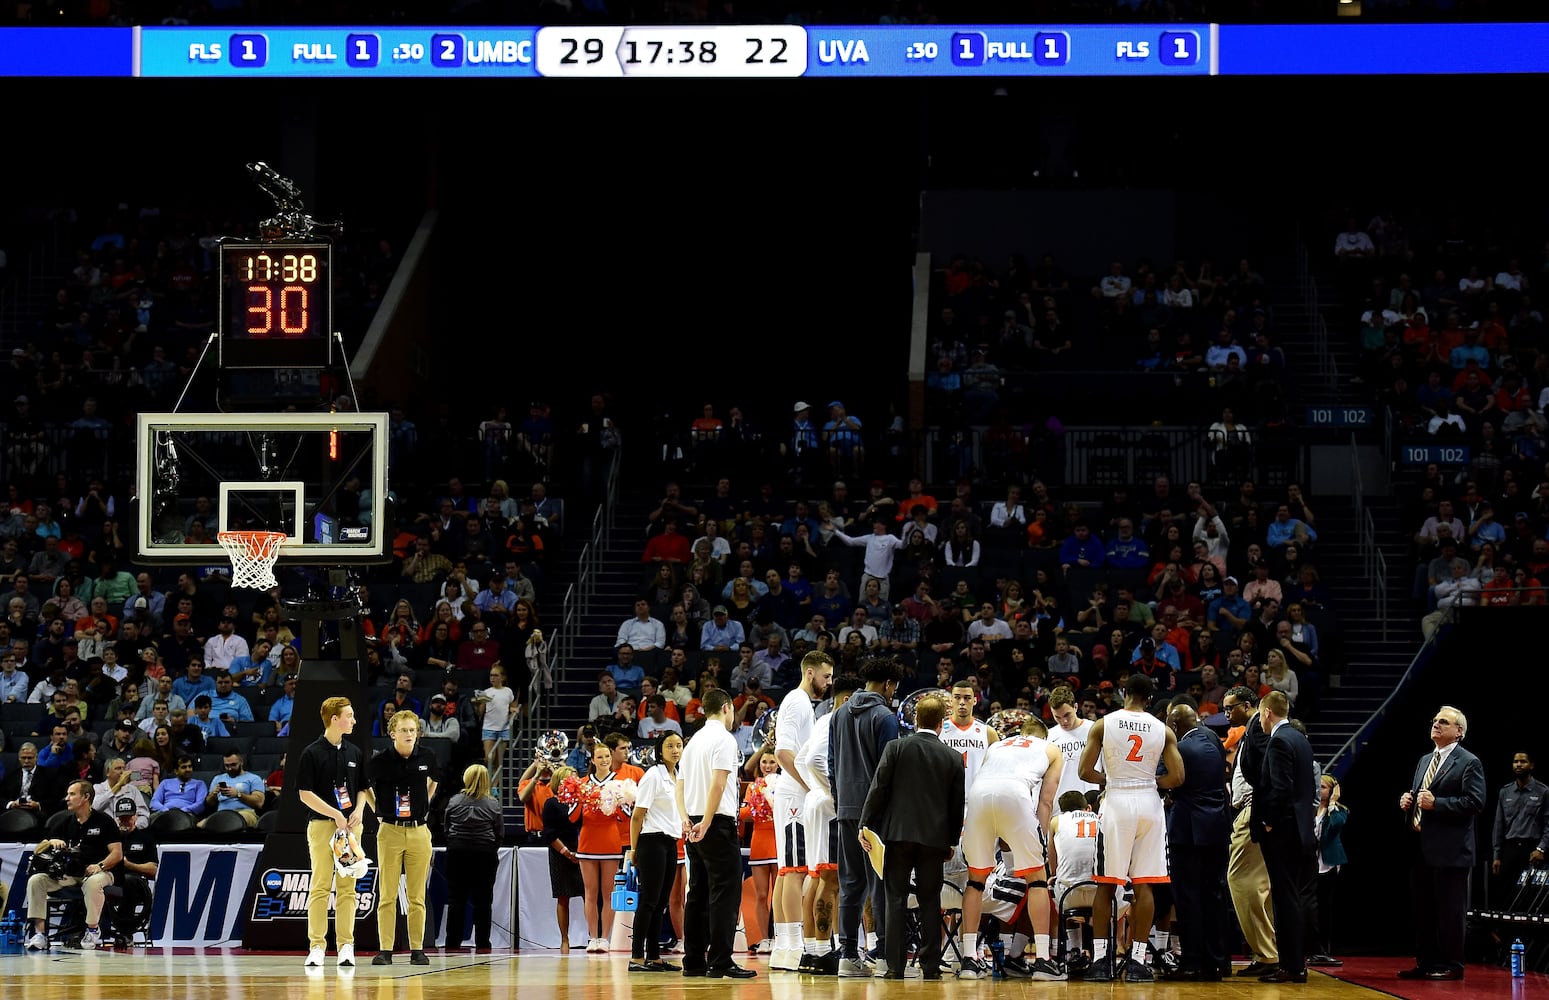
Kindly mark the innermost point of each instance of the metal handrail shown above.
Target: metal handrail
(1307, 283)
(1381, 592)
(1337, 764)
(561, 640)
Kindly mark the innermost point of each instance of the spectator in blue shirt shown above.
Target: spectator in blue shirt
(831, 602)
(14, 684)
(226, 706)
(1470, 350)
(1228, 613)
(58, 753)
(1485, 528)
(194, 683)
(1081, 550)
(721, 632)
(236, 791)
(181, 791)
(250, 669)
(1285, 528)
(205, 720)
(627, 674)
(1128, 550)
(279, 712)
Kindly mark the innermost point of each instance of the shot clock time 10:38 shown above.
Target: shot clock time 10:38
(275, 305)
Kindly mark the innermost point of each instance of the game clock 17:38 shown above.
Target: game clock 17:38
(275, 305)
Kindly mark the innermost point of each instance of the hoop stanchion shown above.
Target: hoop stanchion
(252, 557)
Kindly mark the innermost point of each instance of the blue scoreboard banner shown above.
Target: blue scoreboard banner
(777, 51)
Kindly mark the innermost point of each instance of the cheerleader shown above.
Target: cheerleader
(762, 859)
(601, 846)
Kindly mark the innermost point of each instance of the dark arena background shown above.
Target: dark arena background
(853, 237)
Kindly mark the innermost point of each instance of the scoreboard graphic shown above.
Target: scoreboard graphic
(776, 51)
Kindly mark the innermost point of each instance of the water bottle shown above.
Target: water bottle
(1518, 959)
(998, 956)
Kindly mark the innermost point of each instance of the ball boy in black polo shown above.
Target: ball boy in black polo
(330, 779)
(403, 781)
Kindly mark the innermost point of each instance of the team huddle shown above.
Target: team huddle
(1028, 832)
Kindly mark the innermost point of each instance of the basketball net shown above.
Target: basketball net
(252, 557)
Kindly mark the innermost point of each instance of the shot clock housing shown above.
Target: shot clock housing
(276, 303)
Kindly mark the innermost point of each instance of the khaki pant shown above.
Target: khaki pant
(1248, 880)
(402, 850)
(39, 886)
(320, 850)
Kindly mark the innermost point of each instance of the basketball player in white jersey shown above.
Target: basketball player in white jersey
(1072, 860)
(793, 727)
(970, 737)
(967, 735)
(820, 901)
(1011, 802)
(1069, 734)
(1131, 827)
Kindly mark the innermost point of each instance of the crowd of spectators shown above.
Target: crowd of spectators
(1453, 345)
(105, 676)
(1017, 593)
(1210, 333)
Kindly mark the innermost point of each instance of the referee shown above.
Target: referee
(403, 781)
(330, 778)
(707, 801)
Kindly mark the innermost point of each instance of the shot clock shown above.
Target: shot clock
(275, 305)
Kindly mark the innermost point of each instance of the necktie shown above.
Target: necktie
(26, 783)
(1430, 773)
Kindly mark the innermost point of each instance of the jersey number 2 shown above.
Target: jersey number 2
(1135, 743)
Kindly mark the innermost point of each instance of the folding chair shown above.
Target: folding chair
(952, 890)
(1069, 910)
(65, 918)
(128, 910)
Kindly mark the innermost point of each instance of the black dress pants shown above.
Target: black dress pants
(714, 896)
(902, 860)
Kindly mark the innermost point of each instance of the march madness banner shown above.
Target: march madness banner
(201, 899)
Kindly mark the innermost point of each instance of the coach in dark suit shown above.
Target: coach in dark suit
(1284, 807)
(1445, 794)
(915, 805)
(1199, 830)
(39, 790)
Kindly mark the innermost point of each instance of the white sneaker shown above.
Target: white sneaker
(91, 940)
(853, 968)
(910, 971)
(315, 958)
(788, 959)
(38, 942)
(347, 955)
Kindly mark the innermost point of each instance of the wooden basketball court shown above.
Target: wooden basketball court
(235, 974)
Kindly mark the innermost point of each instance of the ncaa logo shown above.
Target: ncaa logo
(273, 881)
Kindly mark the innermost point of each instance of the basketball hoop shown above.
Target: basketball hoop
(252, 557)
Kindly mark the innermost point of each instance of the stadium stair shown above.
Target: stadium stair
(1367, 666)
(617, 579)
